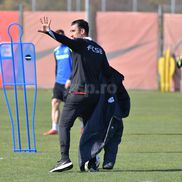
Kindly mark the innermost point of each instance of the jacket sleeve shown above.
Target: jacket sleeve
(74, 44)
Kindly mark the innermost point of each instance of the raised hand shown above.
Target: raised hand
(45, 24)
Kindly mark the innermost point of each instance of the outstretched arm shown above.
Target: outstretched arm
(75, 45)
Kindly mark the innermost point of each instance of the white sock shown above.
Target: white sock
(54, 126)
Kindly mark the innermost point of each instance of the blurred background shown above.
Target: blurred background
(142, 38)
(170, 6)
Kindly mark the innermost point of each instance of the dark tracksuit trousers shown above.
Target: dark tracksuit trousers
(75, 106)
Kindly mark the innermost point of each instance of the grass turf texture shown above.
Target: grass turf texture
(151, 149)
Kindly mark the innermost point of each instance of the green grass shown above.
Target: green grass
(151, 148)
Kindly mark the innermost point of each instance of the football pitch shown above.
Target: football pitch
(151, 148)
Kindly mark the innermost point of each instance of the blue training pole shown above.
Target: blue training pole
(30, 48)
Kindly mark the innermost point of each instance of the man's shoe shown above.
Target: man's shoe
(92, 166)
(97, 163)
(62, 165)
(108, 166)
(51, 132)
(93, 169)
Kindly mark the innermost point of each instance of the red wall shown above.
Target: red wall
(129, 38)
(7, 17)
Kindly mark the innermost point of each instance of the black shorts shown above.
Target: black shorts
(59, 92)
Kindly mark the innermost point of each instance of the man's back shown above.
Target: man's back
(89, 62)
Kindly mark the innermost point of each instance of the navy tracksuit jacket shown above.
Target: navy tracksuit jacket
(105, 127)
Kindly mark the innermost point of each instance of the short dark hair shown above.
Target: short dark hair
(60, 31)
(82, 24)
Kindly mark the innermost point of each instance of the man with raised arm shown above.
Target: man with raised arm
(88, 62)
